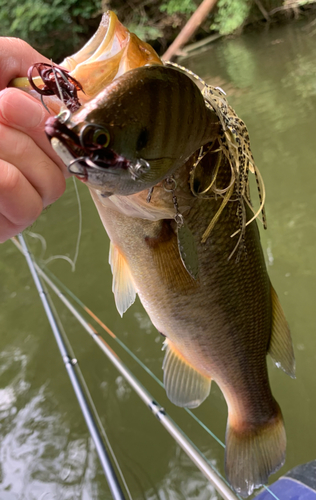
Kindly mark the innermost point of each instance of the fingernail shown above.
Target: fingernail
(18, 108)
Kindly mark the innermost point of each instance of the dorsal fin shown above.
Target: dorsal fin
(280, 347)
(184, 385)
(122, 283)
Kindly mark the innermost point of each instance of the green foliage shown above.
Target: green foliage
(178, 7)
(58, 28)
(231, 14)
(54, 27)
(143, 31)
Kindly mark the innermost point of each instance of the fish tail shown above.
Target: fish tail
(253, 452)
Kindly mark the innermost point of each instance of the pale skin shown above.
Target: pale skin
(31, 174)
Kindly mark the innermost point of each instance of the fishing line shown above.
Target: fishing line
(41, 238)
(42, 101)
(80, 225)
(61, 97)
(42, 241)
(271, 492)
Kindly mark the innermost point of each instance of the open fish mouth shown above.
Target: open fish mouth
(111, 52)
(84, 152)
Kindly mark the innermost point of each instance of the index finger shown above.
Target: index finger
(16, 56)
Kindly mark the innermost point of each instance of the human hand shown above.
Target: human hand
(32, 176)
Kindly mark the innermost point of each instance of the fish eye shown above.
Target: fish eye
(102, 137)
(91, 135)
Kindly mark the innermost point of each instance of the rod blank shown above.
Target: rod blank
(69, 363)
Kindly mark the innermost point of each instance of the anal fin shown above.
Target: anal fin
(280, 347)
(184, 385)
(122, 284)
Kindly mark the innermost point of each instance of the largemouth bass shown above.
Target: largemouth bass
(219, 325)
(167, 166)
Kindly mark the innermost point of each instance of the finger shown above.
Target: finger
(8, 229)
(24, 113)
(20, 203)
(16, 56)
(42, 173)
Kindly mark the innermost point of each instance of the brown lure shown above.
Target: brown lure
(58, 82)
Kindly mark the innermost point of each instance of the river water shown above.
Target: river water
(46, 452)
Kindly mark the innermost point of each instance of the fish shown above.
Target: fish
(167, 164)
(221, 324)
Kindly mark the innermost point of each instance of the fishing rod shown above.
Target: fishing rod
(70, 363)
(159, 382)
(179, 436)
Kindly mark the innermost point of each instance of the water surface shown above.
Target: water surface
(46, 452)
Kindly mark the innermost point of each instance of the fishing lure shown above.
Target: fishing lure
(57, 81)
(234, 143)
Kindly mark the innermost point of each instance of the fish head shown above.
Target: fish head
(138, 120)
(115, 142)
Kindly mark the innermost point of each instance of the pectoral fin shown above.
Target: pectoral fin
(184, 385)
(280, 347)
(122, 284)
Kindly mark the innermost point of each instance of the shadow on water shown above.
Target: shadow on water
(46, 452)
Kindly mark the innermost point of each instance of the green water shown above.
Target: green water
(46, 452)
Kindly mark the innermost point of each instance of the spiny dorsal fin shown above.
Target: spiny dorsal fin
(122, 284)
(280, 347)
(184, 385)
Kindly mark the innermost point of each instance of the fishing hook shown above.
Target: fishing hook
(57, 81)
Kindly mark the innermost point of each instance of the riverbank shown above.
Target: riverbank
(266, 14)
(276, 17)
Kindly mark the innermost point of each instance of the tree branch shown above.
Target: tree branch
(189, 29)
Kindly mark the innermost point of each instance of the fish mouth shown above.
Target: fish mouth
(86, 157)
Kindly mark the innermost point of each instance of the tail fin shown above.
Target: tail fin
(253, 453)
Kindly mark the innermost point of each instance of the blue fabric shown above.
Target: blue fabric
(288, 489)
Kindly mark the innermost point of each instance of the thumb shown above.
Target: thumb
(23, 112)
